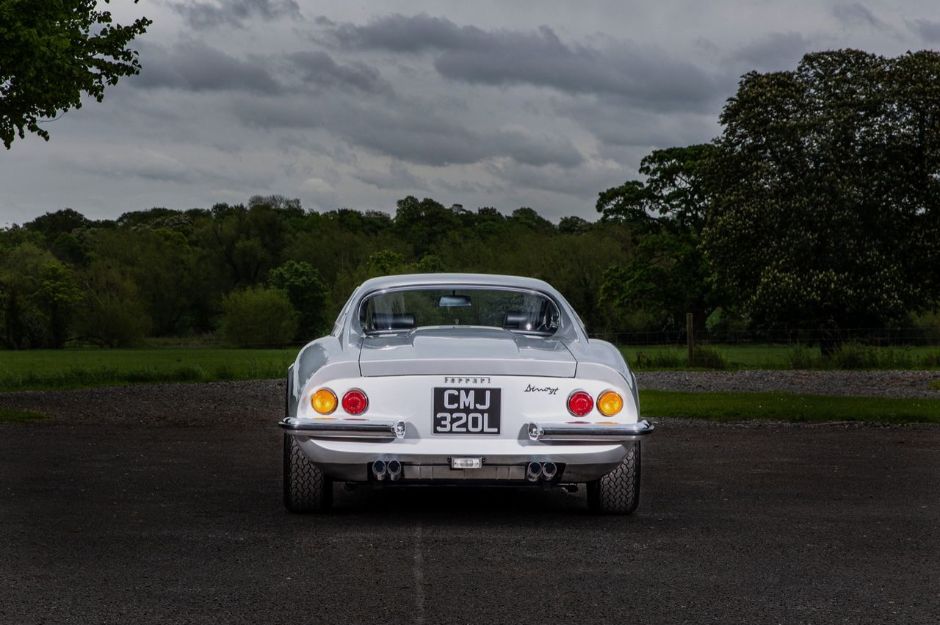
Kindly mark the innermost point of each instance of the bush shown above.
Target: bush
(931, 361)
(258, 317)
(858, 356)
(803, 357)
(927, 325)
(657, 360)
(708, 358)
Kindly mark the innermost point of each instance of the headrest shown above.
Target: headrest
(393, 321)
(515, 320)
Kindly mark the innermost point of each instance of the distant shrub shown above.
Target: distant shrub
(803, 357)
(658, 360)
(930, 361)
(708, 358)
(928, 325)
(722, 326)
(258, 317)
(859, 356)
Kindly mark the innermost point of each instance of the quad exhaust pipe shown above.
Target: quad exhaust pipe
(379, 470)
(390, 470)
(549, 470)
(536, 471)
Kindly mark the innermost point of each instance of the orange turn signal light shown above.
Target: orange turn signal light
(609, 403)
(323, 401)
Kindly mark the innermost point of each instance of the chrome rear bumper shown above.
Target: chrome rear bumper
(588, 432)
(371, 430)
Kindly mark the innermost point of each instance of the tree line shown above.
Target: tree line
(816, 207)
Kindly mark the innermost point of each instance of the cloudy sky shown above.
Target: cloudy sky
(486, 103)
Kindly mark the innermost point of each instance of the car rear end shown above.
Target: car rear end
(468, 427)
(503, 387)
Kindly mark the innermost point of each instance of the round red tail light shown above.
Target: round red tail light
(580, 403)
(355, 401)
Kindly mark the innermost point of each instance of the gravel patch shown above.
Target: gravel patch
(903, 384)
(239, 403)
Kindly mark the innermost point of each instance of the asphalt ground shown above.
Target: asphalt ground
(116, 518)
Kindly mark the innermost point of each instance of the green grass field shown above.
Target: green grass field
(787, 407)
(74, 368)
(659, 357)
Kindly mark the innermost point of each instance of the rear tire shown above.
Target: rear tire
(618, 492)
(306, 487)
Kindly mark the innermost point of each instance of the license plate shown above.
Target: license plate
(466, 410)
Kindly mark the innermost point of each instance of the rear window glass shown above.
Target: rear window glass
(406, 309)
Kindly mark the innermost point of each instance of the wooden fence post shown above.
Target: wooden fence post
(689, 337)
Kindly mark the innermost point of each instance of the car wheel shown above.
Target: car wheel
(306, 487)
(618, 492)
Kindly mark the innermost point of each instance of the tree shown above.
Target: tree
(53, 51)
(667, 276)
(528, 218)
(258, 317)
(303, 286)
(573, 225)
(38, 294)
(53, 224)
(112, 314)
(423, 223)
(826, 187)
(164, 269)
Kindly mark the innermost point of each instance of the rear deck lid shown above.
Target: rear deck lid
(464, 350)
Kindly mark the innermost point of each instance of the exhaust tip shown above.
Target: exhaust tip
(379, 469)
(394, 469)
(549, 470)
(533, 471)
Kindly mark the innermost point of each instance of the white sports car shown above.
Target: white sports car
(461, 378)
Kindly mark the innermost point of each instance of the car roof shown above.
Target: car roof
(475, 279)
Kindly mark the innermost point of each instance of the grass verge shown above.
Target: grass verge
(735, 357)
(10, 415)
(67, 368)
(787, 407)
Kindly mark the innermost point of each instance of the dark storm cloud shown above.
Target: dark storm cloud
(928, 30)
(641, 75)
(775, 51)
(400, 33)
(195, 66)
(201, 15)
(428, 141)
(615, 126)
(856, 13)
(318, 68)
(411, 132)
(397, 176)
